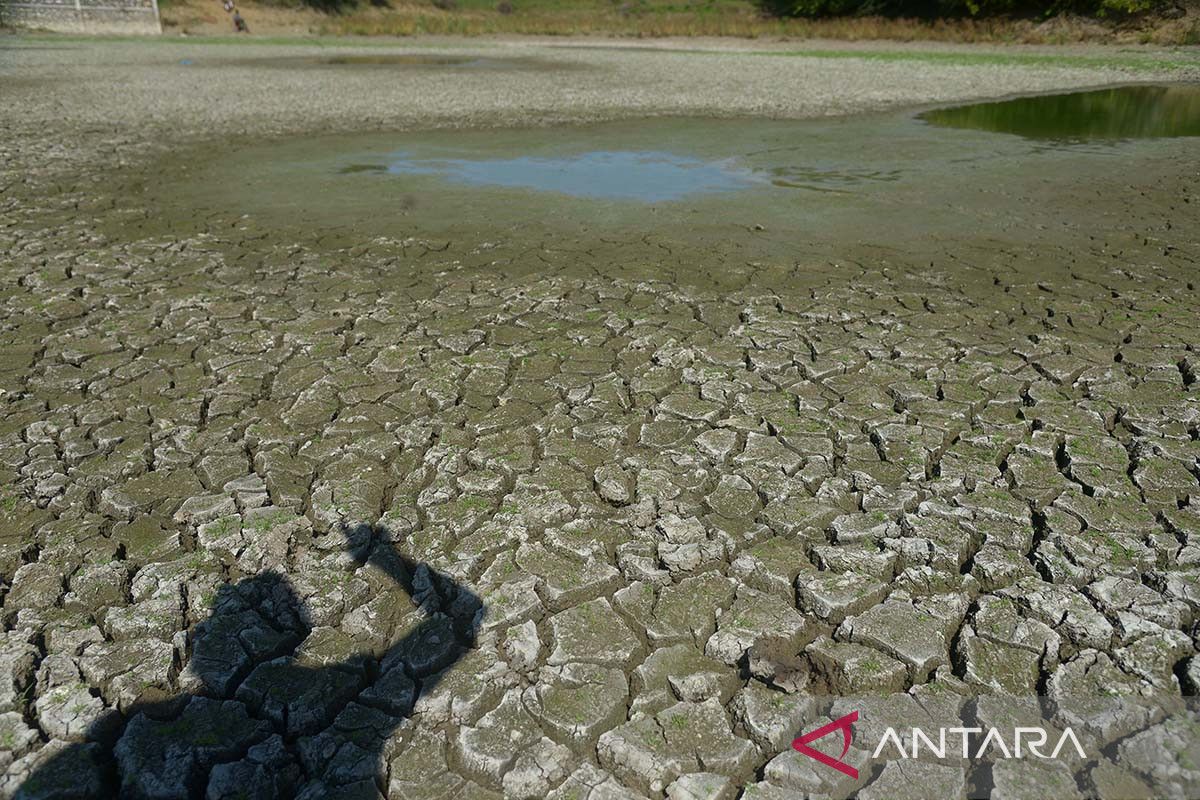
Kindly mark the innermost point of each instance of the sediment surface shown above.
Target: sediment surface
(321, 517)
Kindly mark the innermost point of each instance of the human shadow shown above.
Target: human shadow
(276, 707)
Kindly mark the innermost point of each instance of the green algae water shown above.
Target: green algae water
(1126, 112)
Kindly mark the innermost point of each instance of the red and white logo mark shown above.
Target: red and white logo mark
(844, 724)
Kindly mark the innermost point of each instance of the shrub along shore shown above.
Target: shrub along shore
(1159, 22)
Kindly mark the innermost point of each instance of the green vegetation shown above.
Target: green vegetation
(850, 20)
(928, 9)
(1131, 61)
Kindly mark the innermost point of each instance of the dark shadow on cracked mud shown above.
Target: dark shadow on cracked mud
(277, 708)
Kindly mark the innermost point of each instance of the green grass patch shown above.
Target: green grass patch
(1129, 62)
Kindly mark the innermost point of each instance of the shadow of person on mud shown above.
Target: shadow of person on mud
(277, 709)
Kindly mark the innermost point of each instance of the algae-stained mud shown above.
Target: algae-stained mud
(535, 433)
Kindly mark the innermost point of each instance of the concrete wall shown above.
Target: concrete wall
(83, 16)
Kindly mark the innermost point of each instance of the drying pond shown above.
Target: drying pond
(763, 187)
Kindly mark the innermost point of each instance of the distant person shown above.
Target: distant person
(228, 5)
(239, 24)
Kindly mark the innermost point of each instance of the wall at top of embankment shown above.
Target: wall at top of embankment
(83, 16)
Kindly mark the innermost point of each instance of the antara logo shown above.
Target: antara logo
(1031, 739)
(1023, 740)
(845, 725)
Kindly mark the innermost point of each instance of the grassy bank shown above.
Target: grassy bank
(651, 18)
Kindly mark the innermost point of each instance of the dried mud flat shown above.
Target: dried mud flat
(290, 516)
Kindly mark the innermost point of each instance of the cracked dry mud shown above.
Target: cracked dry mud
(282, 519)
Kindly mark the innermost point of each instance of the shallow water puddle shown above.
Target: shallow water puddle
(1126, 112)
(647, 176)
